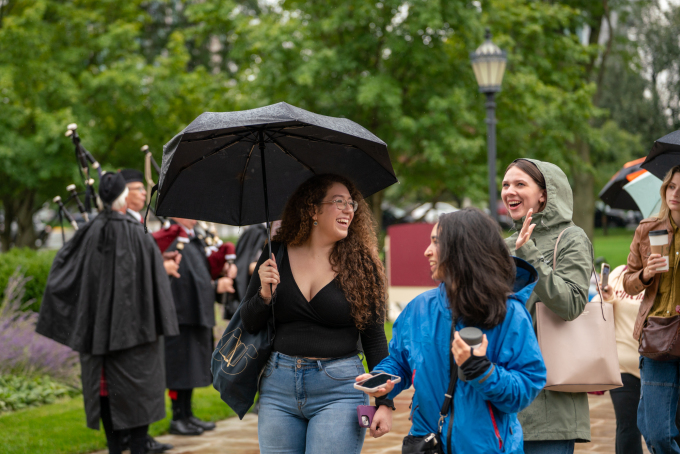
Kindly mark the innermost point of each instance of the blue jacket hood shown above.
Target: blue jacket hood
(419, 354)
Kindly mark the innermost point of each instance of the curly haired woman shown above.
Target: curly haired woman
(330, 292)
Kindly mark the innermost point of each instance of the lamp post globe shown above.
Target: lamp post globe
(488, 64)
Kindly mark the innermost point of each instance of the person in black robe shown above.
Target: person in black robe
(135, 201)
(188, 355)
(108, 298)
(248, 249)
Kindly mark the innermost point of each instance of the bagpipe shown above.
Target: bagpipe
(87, 166)
(217, 252)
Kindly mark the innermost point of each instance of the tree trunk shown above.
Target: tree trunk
(6, 234)
(583, 187)
(26, 234)
(375, 203)
(19, 208)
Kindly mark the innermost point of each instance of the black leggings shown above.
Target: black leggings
(114, 437)
(181, 407)
(626, 400)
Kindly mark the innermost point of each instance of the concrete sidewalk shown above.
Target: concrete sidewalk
(240, 437)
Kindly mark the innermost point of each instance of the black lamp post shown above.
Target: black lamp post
(488, 62)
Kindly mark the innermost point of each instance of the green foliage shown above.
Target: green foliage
(139, 72)
(34, 264)
(20, 392)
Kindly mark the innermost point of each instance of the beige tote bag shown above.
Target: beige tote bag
(580, 355)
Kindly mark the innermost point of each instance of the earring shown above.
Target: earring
(316, 223)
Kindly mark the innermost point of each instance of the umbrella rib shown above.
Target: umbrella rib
(222, 148)
(217, 136)
(251, 130)
(282, 148)
(313, 139)
(243, 179)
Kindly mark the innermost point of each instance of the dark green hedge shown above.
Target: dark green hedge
(33, 263)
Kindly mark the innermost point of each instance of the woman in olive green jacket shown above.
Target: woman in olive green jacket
(539, 199)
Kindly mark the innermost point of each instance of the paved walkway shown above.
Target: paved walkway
(240, 437)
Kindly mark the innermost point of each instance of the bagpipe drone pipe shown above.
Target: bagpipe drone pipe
(87, 166)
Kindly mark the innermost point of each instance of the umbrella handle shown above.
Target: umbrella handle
(266, 198)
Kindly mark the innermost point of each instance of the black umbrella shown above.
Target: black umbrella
(664, 156)
(613, 194)
(213, 170)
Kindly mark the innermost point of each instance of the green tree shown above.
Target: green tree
(402, 70)
(83, 61)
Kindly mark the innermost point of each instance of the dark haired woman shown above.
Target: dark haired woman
(330, 291)
(658, 277)
(485, 288)
(539, 199)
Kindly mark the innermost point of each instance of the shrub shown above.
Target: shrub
(23, 352)
(35, 264)
(17, 392)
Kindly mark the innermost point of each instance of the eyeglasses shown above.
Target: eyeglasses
(342, 204)
(139, 189)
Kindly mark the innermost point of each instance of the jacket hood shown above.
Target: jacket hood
(560, 205)
(526, 278)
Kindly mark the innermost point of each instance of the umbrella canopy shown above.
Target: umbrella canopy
(214, 169)
(664, 156)
(613, 194)
(645, 191)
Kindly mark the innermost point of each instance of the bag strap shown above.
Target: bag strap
(559, 237)
(599, 292)
(448, 397)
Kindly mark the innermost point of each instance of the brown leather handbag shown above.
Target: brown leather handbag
(579, 355)
(659, 339)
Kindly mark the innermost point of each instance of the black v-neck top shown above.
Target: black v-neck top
(320, 328)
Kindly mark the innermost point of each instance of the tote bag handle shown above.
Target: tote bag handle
(597, 282)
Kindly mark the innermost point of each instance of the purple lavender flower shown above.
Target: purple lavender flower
(23, 351)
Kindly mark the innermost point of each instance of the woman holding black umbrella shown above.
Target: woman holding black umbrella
(330, 292)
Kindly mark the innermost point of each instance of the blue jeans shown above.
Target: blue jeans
(549, 447)
(310, 406)
(658, 404)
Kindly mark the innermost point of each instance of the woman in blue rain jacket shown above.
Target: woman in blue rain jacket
(508, 370)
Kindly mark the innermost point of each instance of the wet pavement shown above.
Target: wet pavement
(240, 437)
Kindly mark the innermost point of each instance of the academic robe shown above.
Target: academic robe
(188, 355)
(248, 249)
(108, 298)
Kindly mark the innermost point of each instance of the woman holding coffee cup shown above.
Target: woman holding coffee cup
(653, 265)
(539, 199)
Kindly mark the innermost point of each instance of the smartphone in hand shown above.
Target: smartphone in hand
(604, 275)
(374, 383)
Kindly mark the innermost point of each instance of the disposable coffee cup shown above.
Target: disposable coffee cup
(473, 337)
(658, 239)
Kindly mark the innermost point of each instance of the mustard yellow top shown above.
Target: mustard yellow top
(669, 286)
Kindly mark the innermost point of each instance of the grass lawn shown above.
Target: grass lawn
(59, 428)
(614, 247)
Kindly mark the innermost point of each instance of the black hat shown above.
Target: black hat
(132, 175)
(111, 185)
